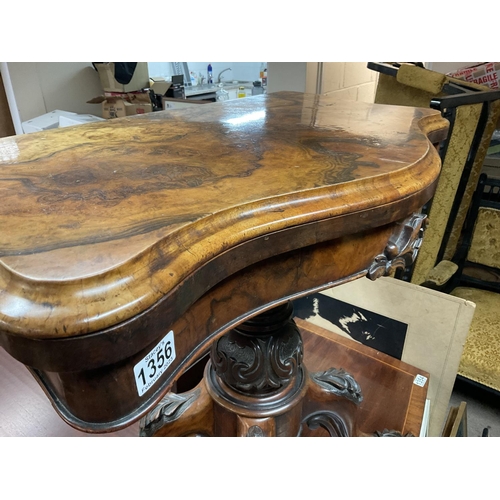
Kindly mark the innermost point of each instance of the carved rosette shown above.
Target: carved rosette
(337, 381)
(256, 362)
(402, 248)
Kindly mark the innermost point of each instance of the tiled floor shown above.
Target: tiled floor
(483, 409)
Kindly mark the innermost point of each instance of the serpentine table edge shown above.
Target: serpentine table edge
(307, 193)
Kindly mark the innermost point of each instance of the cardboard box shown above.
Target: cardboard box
(159, 85)
(137, 108)
(111, 107)
(487, 74)
(117, 105)
(107, 73)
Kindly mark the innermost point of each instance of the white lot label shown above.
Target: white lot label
(151, 368)
(420, 380)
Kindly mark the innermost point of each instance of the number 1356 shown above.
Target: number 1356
(151, 367)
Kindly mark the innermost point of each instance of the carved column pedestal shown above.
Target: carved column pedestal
(256, 377)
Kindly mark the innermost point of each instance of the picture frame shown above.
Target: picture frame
(456, 422)
(437, 326)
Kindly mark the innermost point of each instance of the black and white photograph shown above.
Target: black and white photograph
(369, 328)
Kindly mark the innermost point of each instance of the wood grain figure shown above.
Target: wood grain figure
(192, 221)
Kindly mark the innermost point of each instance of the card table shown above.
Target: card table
(130, 248)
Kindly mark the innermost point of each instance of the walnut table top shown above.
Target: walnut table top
(103, 224)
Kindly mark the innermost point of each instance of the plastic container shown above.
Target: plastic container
(222, 94)
(257, 88)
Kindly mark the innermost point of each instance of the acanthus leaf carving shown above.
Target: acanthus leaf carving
(337, 381)
(402, 248)
(328, 420)
(391, 433)
(169, 409)
(258, 364)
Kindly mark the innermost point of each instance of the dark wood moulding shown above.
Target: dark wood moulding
(191, 221)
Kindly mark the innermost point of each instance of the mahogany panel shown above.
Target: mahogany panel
(391, 399)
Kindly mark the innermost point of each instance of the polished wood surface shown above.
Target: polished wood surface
(191, 220)
(106, 219)
(391, 399)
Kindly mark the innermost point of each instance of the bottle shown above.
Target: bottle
(264, 78)
(209, 73)
(241, 92)
(222, 94)
(257, 88)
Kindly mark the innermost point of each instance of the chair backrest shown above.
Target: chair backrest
(478, 256)
(473, 112)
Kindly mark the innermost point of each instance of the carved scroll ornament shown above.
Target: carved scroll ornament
(258, 365)
(328, 420)
(391, 433)
(402, 248)
(170, 408)
(340, 383)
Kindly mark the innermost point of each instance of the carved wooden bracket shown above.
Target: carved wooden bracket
(170, 408)
(339, 382)
(402, 248)
(328, 420)
(392, 433)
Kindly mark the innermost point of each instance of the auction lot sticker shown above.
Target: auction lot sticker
(154, 365)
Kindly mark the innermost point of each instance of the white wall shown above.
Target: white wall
(43, 87)
(286, 76)
(341, 80)
(349, 81)
(241, 71)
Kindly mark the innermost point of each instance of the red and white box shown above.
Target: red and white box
(487, 74)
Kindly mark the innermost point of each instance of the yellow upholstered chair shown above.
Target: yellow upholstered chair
(474, 275)
(473, 112)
